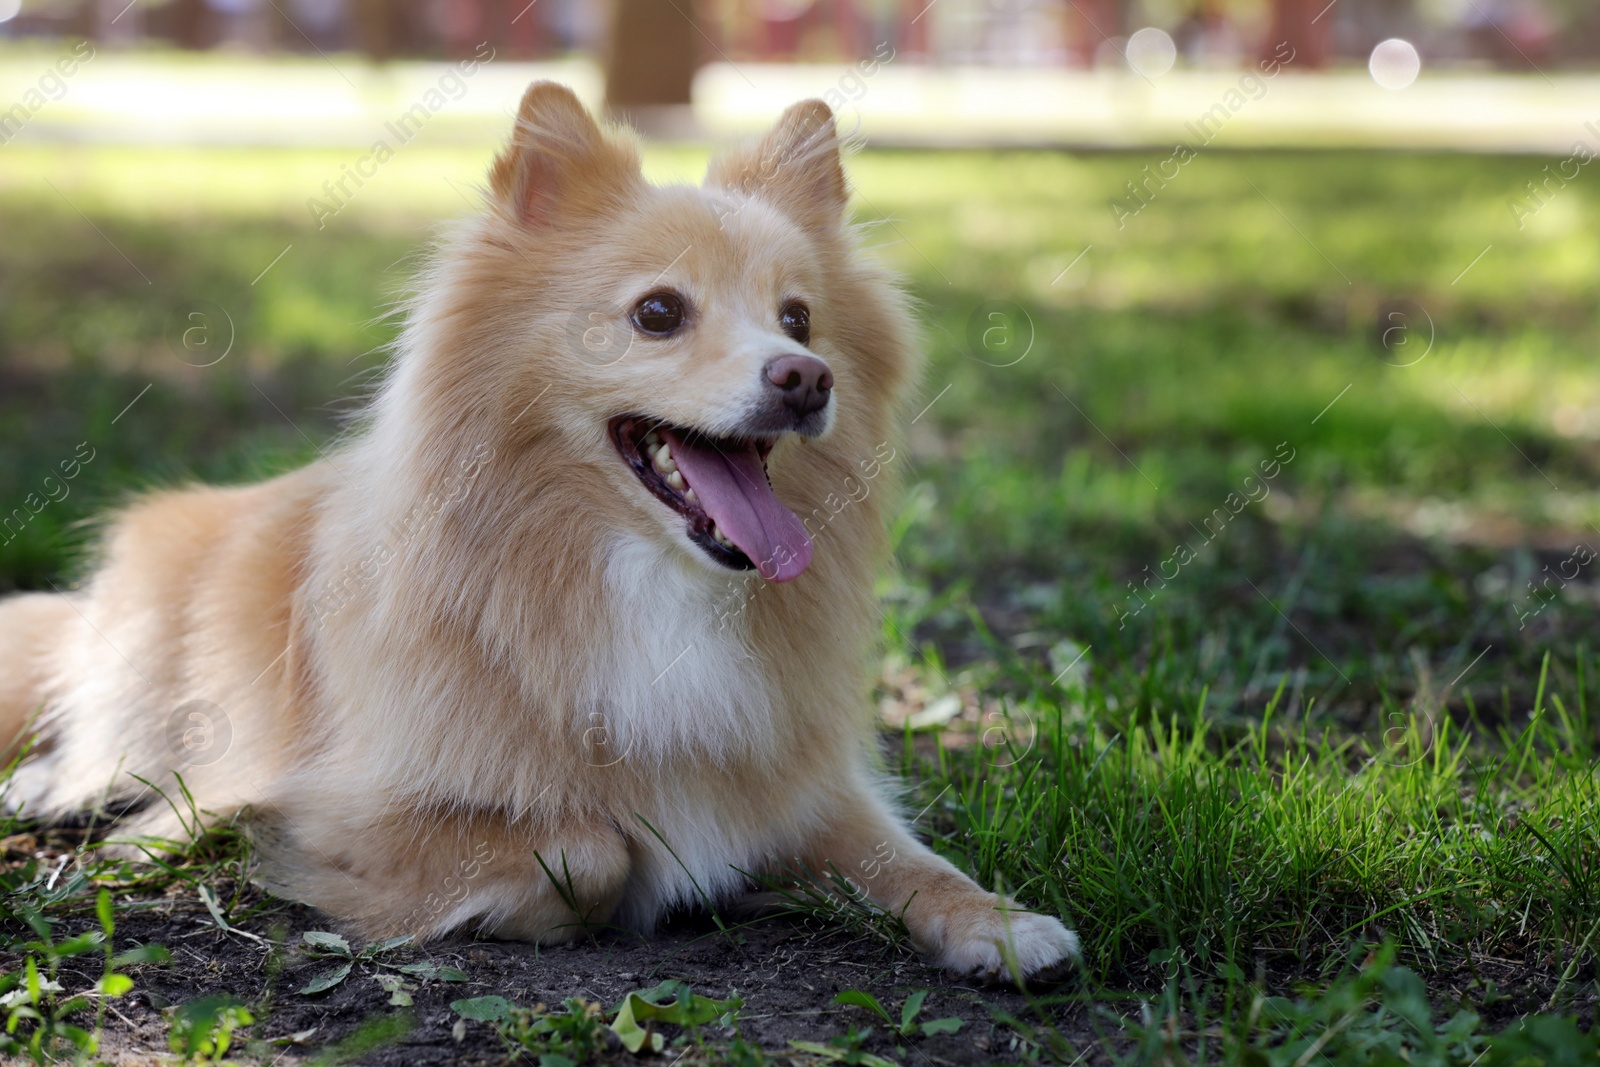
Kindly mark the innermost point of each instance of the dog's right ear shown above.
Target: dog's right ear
(559, 163)
(796, 166)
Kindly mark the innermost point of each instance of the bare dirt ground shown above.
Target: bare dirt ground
(786, 971)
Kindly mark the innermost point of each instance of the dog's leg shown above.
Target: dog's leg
(430, 873)
(952, 919)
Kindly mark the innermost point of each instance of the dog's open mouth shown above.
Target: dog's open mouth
(720, 486)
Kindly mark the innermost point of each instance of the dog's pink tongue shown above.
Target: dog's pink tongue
(732, 487)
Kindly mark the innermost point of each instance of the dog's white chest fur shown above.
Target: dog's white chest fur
(677, 685)
(676, 676)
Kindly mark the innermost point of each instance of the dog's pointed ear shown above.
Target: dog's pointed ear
(559, 162)
(796, 167)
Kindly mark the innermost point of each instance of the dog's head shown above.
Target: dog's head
(686, 340)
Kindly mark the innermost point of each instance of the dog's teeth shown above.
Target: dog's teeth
(663, 461)
(717, 536)
(675, 479)
(688, 494)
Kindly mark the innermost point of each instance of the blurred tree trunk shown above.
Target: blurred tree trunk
(1098, 21)
(374, 28)
(190, 24)
(653, 54)
(1304, 26)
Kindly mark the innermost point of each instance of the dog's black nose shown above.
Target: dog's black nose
(804, 382)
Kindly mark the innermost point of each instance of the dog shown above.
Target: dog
(575, 626)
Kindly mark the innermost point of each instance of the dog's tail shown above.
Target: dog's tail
(32, 628)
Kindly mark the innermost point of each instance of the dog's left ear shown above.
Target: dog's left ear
(796, 166)
(559, 164)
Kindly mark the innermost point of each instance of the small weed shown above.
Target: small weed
(32, 889)
(907, 1026)
(670, 1002)
(324, 945)
(37, 1013)
(584, 1028)
(561, 1038)
(738, 1053)
(845, 1048)
(203, 1029)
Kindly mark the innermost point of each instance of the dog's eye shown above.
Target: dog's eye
(796, 322)
(659, 313)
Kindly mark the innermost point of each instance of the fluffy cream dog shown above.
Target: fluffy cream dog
(577, 628)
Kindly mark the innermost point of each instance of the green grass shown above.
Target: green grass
(1280, 849)
(1336, 754)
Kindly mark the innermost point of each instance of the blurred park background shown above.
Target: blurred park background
(1157, 245)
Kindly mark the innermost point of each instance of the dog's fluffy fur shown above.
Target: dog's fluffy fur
(468, 672)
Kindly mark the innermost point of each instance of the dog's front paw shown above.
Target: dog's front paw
(1002, 941)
